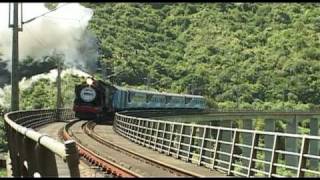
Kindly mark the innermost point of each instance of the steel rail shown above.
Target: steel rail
(106, 165)
(89, 130)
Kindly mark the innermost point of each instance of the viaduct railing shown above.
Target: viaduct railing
(235, 151)
(33, 154)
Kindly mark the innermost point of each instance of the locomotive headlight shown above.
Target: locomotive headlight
(88, 94)
(89, 81)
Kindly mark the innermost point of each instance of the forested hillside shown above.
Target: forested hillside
(249, 53)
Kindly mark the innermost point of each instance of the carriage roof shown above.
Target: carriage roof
(159, 93)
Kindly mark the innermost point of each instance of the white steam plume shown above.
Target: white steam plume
(63, 30)
(5, 93)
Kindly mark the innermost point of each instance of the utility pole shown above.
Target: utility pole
(59, 85)
(15, 56)
(58, 58)
(59, 98)
(15, 51)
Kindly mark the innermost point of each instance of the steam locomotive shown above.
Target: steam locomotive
(95, 99)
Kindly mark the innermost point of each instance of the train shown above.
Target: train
(96, 99)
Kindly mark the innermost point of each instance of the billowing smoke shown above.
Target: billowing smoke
(52, 75)
(25, 83)
(63, 30)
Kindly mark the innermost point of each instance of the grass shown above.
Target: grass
(3, 172)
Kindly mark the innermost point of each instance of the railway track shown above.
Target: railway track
(115, 159)
(93, 157)
(53, 130)
(89, 130)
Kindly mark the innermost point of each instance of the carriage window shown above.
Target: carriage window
(168, 99)
(187, 100)
(130, 94)
(149, 96)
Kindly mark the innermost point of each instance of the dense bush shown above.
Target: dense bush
(245, 53)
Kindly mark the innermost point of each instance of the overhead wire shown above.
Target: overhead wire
(61, 18)
(41, 43)
(34, 18)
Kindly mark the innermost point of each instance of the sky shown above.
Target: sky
(58, 29)
(62, 30)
